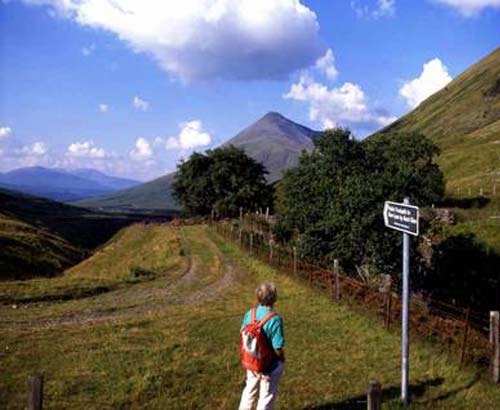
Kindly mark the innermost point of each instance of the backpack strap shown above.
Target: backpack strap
(253, 315)
(264, 320)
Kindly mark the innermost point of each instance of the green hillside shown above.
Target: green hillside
(27, 250)
(464, 120)
(135, 254)
(155, 194)
(41, 237)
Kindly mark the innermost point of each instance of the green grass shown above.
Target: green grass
(41, 237)
(464, 120)
(169, 350)
(484, 222)
(136, 253)
(26, 250)
(155, 194)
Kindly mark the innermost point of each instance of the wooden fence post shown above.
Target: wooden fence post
(294, 260)
(464, 341)
(35, 392)
(388, 300)
(481, 192)
(495, 345)
(241, 214)
(251, 242)
(374, 395)
(241, 236)
(337, 279)
(267, 214)
(330, 277)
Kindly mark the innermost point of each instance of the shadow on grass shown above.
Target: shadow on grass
(452, 392)
(477, 202)
(389, 394)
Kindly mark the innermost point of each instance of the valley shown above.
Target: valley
(171, 341)
(41, 237)
(166, 166)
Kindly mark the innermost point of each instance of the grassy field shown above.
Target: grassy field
(20, 250)
(171, 342)
(137, 253)
(40, 237)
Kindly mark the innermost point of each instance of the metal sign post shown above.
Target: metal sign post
(404, 217)
(405, 338)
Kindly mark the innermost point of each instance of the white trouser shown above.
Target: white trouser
(263, 386)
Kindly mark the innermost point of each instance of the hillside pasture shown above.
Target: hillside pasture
(138, 253)
(171, 342)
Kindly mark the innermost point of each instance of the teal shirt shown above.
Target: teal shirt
(273, 328)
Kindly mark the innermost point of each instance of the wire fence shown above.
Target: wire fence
(455, 329)
(478, 190)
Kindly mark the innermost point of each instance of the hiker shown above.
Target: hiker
(262, 350)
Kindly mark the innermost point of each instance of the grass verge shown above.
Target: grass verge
(184, 355)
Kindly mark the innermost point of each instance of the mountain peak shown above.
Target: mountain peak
(273, 115)
(275, 141)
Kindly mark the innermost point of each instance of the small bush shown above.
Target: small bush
(139, 274)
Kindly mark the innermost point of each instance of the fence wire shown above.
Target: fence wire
(454, 328)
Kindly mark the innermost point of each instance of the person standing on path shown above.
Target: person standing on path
(262, 386)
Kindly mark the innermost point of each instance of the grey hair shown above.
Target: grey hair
(267, 294)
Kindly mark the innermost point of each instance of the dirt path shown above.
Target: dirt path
(208, 268)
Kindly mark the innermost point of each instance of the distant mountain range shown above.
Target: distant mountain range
(274, 140)
(63, 185)
(463, 119)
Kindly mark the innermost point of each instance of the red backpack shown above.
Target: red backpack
(255, 351)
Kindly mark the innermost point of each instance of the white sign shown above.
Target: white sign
(401, 217)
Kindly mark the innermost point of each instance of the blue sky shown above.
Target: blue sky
(129, 87)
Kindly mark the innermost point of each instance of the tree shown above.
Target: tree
(223, 179)
(464, 272)
(333, 200)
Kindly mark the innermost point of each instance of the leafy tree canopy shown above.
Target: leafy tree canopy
(223, 179)
(334, 199)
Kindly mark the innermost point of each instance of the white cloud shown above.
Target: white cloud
(5, 132)
(88, 50)
(383, 8)
(140, 104)
(191, 136)
(172, 143)
(142, 150)
(86, 149)
(434, 76)
(326, 64)
(15, 154)
(206, 39)
(330, 107)
(469, 8)
(103, 107)
(34, 150)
